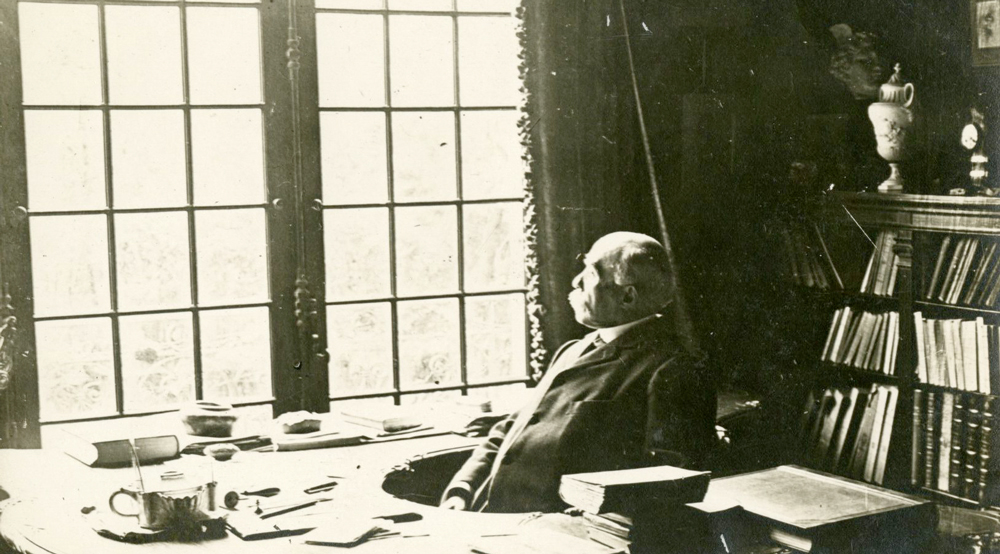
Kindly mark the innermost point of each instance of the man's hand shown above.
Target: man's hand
(455, 503)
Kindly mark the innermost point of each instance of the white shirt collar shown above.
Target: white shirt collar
(609, 334)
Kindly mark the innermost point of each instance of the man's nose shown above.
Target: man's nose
(578, 281)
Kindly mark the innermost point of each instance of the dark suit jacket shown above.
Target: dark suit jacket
(639, 400)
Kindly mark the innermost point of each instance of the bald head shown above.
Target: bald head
(625, 277)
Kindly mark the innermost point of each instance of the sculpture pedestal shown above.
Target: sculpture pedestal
(895, 181)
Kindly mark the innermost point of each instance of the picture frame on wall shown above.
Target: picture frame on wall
(985, 36)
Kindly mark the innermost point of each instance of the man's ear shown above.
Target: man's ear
(630, 296)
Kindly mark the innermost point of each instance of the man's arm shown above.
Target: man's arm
(477, 468)
(681, 413)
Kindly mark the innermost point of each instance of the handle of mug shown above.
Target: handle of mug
(130, 494)
(908, 94)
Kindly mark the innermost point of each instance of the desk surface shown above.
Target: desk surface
(48, 490)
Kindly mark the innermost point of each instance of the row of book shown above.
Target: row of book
(967, 271)
(883, 266)
(848, 430)
(955, 443)
(962, 354)
(808, 258)
(863, 340)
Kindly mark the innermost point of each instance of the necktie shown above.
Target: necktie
(594, 345)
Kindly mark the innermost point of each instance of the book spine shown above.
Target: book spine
(970, 445)
(956, 461)
(918, 328)
(956, 258)
(987, 445)
(933, 373)
(930, 442)
(942, 256)
(944, 448)
(982, 357)
(917, 439)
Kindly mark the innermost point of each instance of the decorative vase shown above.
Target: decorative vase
(891, 117)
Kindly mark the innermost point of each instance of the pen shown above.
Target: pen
(293, 508)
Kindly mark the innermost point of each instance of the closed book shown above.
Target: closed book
(840, 430)
(884, 263)
(992, 273)
(866, 333)
(886, 439)
(830, 266)
(993, 344)
(838, 340)
(390, 419)
(956, 460)
(620, 490)
(986, 486)
(982, 357)
(893, 348)
(843, 463)
(954, 326)
(931, 431)
(830, 415)
(917, 439)
(827, 513)
(956, 259)
(932, 286)
(963, 272)
(918, 329)
(861, 332)
(944, 448)
(876, 350)
(876, 434)
(934, 376)
(834, 324)
(970, 446)
(868, 280)
(982, 269)
(970, 356)
(856, 469)
(99, 450)
(946, 345)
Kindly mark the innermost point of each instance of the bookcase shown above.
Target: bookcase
(910, 285)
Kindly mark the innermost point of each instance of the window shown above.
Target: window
(422, 196)
(156, 209)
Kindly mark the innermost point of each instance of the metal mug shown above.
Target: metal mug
(165, 509)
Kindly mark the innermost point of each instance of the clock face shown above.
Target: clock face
(970, 136)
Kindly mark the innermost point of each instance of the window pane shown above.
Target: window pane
(360, 344)
(350, 50)
(421, 61)
(494, 254)
(236, 354)
(429, 399)
(428, 343)
(223, 55)
(350, 4)
(232, 256)
(423, 156)
(494, 338)
(69, 261)
(506, 6)
(339, 406)
(148, 161)
(144, 55)
(228, 157)
(491, 155)
(65, 159)
(426, 251)
(60, 54)
(353, 157)
(152, 257)
(420, 5)
(357, 253)
(488, 42)
(157, 361)
(75, 368)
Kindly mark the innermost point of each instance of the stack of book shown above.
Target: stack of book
(966, 271)
(962, 354)
(848, 431)
(808, 259)
(955, 444)
(863, 340)
(811, 511)
(883, 266)
(627, 509)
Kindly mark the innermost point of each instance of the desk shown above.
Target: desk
(48, 489)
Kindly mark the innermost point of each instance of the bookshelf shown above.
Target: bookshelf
(934, 261)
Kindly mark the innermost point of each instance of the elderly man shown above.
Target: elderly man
(626, 395)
